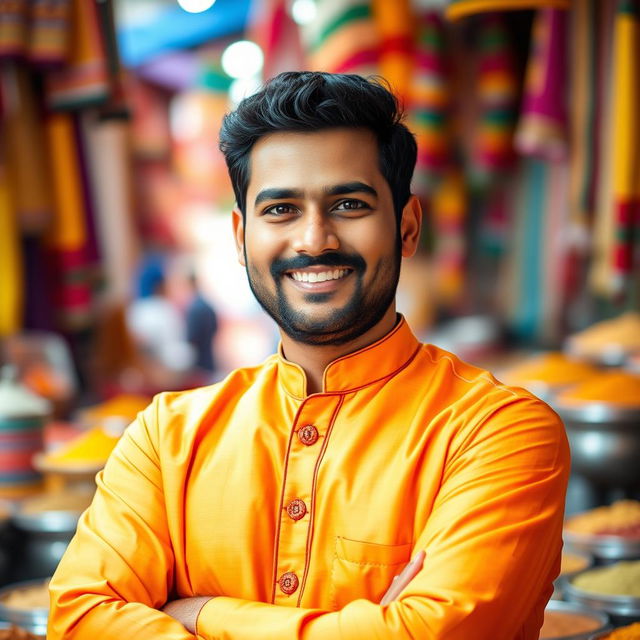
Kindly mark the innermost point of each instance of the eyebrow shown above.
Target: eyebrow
(335, 190)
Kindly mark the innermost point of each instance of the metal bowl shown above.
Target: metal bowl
(604, 440)
(566, 607)
(618, 606)
(603, 546)
(33, 620)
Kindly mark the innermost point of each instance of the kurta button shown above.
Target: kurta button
(308, 435)
(288, 582)
(296, 509)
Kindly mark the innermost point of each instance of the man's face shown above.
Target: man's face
(319, 241)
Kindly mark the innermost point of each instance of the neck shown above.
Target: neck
(314, 359)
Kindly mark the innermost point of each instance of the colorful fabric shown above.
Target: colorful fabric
(497, 95)
(584, 117)
(462, 8)
(395, 22)
(11, 287)
(26, 158)
(84, 80)
(542, 130)
(273, 28)
(49, 31)
(67, 240)
(343, 38)
(14, 17)
(297, 510)
(430, 106)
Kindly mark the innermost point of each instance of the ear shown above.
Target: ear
(238, 233)
(410, 226)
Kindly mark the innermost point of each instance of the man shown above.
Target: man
(281, 502)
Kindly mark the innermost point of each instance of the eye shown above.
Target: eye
(351, 205)
(279, 210)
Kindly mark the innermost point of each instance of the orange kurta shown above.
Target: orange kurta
(224, 490)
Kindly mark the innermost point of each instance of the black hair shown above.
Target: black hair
(307, 101)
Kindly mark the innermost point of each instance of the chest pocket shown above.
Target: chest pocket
(365, 569)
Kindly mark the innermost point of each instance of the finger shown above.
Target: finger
(400, 581)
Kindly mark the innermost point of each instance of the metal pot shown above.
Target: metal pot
(605, 442)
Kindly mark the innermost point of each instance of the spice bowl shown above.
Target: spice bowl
(25, 604)
(571, 621)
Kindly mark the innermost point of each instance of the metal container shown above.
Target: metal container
(33, 620)
(42, 540)
(605, 442)
(605, 547)
(565, 607)
(622, 608)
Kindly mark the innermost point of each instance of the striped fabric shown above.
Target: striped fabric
(68, 238)
(430, 105)
(497, 95)
(395, 22)
(85, 79)
(461, 8)
(343, 38)
(542, 129)
(49, 31)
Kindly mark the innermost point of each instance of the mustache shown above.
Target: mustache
(331, 259)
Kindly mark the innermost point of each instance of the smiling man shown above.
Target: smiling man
(356, 485)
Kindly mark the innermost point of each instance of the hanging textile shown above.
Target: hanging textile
(584, 117)
(395, 22)
(461, 8)
(49, 37)
(273, 29)
(68, 239)
(11, 284)
(542, 129)
(84, 80)
(14, 18)
(343, 38)
(497, 95)
(27, 164)
(619, 189)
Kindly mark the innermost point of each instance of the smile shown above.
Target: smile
(318, 276)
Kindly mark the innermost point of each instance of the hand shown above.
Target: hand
(403, 579)
(186, 610)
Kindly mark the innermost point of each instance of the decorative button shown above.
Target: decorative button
(288, 582)
(296, 509)
(308, 435)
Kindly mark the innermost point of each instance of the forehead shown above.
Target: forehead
(311, 161)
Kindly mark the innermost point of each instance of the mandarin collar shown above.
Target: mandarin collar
(370, 364)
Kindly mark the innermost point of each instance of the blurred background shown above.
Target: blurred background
(118, 275)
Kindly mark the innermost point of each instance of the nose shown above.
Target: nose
(314, 234)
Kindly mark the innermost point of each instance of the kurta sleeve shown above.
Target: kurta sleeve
(493, 544)
(118, 569)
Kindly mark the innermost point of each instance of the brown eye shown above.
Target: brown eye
(280, 210)
(351, 205)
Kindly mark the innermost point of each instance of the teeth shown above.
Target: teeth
(304, 276)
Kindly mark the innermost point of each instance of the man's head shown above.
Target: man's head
(320, 228)
(311, 101)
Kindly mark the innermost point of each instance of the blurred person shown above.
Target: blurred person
(281, 502)
(201, 327)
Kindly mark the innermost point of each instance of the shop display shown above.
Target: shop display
(553, 370)
(26, 605)
(89, 450)
(572, 562)
(35, 596)
(571, 621)
(631, 632)
(620, 579)
(620, 519)
(618, 388)
(123, 406)
(609, 340)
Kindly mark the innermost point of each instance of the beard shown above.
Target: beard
(340, 325)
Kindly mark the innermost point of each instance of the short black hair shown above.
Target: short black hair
(307, 101)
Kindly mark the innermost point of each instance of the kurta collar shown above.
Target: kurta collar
(358, 369)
